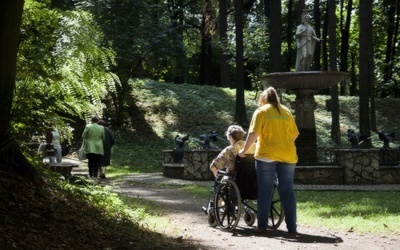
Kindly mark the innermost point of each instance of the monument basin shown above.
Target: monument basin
(304, 79)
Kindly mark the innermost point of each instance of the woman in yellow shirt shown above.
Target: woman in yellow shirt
(274, 129)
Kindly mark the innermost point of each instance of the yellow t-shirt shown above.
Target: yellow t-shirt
(276, 134)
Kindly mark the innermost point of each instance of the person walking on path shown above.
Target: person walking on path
(53, 146)
(107, 145)
(274, 129)
(93, 137)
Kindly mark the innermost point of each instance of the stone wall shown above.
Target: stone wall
(363, 166)
(322, 175)
(195, 166)
(353, 166)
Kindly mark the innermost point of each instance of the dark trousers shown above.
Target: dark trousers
(94, 162)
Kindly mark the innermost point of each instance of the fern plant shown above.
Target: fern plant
(64, 69)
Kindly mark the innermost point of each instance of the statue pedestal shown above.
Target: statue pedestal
(306, 143)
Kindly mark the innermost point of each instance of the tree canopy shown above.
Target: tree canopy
(76, 58)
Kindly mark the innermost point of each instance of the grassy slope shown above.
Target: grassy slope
(50, 217)
(171, 110)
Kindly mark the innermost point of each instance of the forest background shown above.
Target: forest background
(76, 58)
(70, 59)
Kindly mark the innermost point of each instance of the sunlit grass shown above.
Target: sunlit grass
(365, 212)
(359, 211)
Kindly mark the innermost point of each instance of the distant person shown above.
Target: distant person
(53, 143)
(107, 145)
(275, 130)
(93, 137)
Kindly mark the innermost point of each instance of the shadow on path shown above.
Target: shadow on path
(284, 236)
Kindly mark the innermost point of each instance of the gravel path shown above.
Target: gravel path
(186, 221)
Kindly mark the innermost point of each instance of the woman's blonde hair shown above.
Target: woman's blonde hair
(270, 96)
(236, 131)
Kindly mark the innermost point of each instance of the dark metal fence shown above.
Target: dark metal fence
(387, 156)
(326, 156)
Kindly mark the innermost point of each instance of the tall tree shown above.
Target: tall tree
(240, 110)
(301, 5)
(242, 8)
(11, 158)
(176, 9)
(275, 37)
(206, 52)
(366, 67)
(224, 57)
(324, 42)
(345, 36)
(291, 19)
(335, 131)
(389, 85)
(390, 47)
(317, 24)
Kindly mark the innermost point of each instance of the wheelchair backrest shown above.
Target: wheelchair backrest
(245, 164)
(246, 177)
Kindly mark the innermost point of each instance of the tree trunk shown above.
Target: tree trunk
(387, 74)
(11, 158)
(206, 55)
(291, 49)
(275, 38)
(324, 44)
(366, 67)
(344, 49)
(317, 23)
(240, 111)
(301, 6)
(335, 131)
(177, 16)
(224, 58)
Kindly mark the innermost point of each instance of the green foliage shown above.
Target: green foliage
(63, 70)
(137, 39)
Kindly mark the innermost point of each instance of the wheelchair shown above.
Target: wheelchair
(236, 194)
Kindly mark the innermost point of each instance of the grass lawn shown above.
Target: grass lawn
(172, 110)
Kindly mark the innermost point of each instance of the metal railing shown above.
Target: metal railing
(387, 156)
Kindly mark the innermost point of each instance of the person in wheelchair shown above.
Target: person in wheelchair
(226, 159)
(275, 130)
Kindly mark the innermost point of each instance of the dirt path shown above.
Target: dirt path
(187, 221)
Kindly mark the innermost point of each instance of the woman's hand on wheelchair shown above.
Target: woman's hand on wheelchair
(241, 153)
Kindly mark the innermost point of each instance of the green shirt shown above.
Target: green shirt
(93, 137)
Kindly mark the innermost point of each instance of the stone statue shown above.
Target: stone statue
(305, 40)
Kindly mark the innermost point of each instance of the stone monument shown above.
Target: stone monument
(305, 84)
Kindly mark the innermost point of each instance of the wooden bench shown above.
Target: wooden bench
(64, 168)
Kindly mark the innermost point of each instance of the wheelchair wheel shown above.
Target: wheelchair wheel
(212, 222)
(249, 218)
(276, 215)
(227, 202)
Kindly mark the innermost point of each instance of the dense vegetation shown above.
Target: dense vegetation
(55, 215)
(77, 58)
(167, 110)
